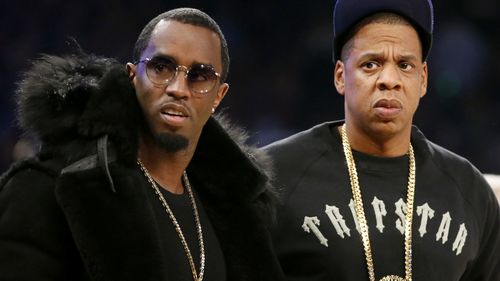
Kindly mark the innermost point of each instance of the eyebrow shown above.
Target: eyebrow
(406, 57)
(164, 56)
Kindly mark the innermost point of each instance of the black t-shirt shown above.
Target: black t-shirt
(176, 259)
(456, 225)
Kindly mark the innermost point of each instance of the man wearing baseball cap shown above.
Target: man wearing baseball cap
(370, 197)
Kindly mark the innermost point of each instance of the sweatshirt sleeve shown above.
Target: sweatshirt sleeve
(486, 267)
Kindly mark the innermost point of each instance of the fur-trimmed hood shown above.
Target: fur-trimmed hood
(66, 101)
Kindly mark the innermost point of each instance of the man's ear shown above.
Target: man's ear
(131, 70)
(424, 80)
(338, 77)
(221, 93)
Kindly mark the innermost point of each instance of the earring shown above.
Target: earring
(213, 110)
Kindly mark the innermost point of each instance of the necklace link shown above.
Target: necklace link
(196, 276)
(360, 213)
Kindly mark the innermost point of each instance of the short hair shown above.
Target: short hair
(383, 17)
(188, 16)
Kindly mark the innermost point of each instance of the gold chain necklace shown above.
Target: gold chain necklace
(360, 213)
(196, 276)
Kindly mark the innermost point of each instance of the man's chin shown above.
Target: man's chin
(171, 142)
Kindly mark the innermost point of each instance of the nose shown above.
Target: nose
(178, 86)
(389, 78)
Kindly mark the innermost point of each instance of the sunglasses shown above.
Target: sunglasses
(161, 71)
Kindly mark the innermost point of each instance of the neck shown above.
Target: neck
(392, 145)
(166, 168)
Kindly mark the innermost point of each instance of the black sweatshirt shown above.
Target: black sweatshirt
(456, 222)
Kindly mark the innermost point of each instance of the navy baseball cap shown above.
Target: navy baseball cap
(347, 13)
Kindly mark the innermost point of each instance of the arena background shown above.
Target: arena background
(281, 70)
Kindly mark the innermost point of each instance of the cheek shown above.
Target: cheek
(360, 81)
(359, 90)
(143, 98)
(146, 99)
(203, 108)
(205, 112)
(415, 88)
(415, 102)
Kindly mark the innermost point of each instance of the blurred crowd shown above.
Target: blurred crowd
(281, 68)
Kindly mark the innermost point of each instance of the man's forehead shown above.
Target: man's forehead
(172, 24)
(182, 41)
(374, 37)
(177, 31)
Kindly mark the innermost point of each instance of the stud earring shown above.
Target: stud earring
(213, 110)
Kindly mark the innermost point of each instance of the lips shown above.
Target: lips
(388, 108)
(174, 114)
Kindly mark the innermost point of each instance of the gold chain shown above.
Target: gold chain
(196, 276)
(360, 213)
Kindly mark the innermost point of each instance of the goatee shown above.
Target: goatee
(171, 142)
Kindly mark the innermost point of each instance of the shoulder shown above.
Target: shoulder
(461, 172)
(292, 157)
(308, 143)
(27, 195)
(30, 175)
(450, 163)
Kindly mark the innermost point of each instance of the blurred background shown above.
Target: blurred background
(281, 67)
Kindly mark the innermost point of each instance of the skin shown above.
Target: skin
(186, 44)
(382, 78)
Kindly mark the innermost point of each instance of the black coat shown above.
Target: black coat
(74, 212)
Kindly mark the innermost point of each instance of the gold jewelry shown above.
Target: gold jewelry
(196, 276)
(360, 213)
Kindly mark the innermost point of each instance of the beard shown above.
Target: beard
(171, 142)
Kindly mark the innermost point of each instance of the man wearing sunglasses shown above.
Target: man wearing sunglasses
(135, 179)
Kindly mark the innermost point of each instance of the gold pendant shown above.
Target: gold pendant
(392, 278)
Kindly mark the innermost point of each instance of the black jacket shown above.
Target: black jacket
(74, 212)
